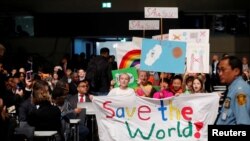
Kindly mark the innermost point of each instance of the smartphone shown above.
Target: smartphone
(11, 109)
(28, 75)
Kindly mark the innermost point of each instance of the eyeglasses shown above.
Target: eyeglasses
(219, 70)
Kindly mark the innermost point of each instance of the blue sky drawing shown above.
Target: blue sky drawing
(166, 61)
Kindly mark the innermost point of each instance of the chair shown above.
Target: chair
(25, 133)
(46, 135)
(70, 127)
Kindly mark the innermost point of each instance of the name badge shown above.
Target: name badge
(224, 116)
(227, 103)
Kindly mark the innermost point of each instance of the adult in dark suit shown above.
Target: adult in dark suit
(81, 96)
(82, 90)
(73, 84)
(214, 72)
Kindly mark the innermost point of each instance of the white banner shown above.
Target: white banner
(197, 57)
(189, 35)
(128, 54)
(132, 118)
(160, 37)
(161, 12)
(144, 24)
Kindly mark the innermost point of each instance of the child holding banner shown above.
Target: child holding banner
(188, 84)
(123, 88)
(163, 92)
(197, 85)
(176, 86)
(144, 88)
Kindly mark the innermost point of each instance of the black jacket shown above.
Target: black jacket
(99, 74)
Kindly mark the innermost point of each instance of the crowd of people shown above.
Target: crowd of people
(47, 101)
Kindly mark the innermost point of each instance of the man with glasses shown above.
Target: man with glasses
(81, 96)
(236, 107)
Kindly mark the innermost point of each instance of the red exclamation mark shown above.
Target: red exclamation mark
(198, 126)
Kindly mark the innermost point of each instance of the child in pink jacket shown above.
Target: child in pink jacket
(163, 92)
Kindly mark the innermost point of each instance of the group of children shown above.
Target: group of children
(168, 86)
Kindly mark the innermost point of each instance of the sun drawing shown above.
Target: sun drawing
(177, 52)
